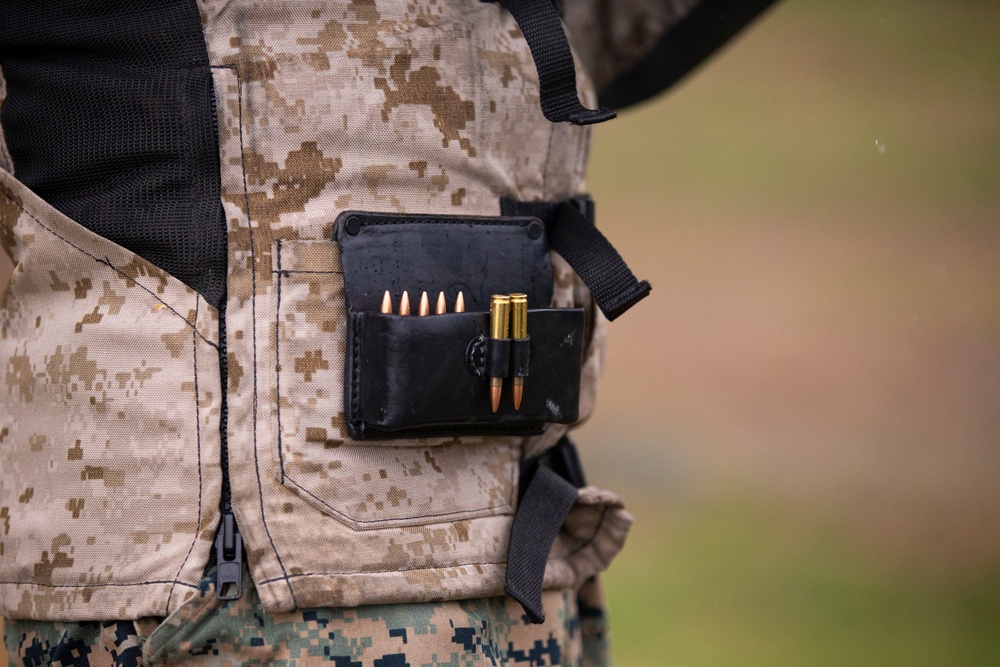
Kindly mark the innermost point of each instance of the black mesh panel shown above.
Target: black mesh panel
(109, 117)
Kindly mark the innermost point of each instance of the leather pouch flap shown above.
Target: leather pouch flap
(478, 256)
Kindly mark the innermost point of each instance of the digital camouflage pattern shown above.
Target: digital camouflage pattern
(424, 107)
(111, 480)
(109, 423)
(206, 631)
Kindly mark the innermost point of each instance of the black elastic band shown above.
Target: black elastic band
(571, 233)
(539, 23)
(497, 357)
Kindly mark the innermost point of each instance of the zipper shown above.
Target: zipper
(228, 541)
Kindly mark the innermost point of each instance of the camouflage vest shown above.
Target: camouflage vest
(135, 398)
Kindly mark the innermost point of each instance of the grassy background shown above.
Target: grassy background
(804, 415)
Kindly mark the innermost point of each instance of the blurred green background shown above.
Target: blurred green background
(805, 415)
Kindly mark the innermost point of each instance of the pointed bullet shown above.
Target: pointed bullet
(386, 303)
(404, 304)
(496, 387)
(425, 306)
(460, 303)
(441, 307)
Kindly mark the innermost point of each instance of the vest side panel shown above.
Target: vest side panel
(425, 107)
(108, 424)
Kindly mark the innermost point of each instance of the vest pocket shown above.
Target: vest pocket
(402, 482)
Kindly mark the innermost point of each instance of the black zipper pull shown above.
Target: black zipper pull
(229, 559)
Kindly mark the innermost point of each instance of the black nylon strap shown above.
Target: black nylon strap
(540, 516)
(539, 23)
(548, 490)
(571, 233)
(612, 284)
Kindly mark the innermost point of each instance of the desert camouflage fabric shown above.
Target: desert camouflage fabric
(109, 423)
(111, 408)
(490, 632)
(423, 107)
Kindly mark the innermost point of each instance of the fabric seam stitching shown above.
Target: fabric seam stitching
(107, 262)
(253, 314)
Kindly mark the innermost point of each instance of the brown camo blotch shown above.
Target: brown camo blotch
(306, 173)
(111, 299)
(81, 287)
(310, 363)
(62, 370)
(370, 49)
(235, 371)
(75, 453)
(331, 38)
(21, 376)
(505, 62)
(178, 341)
(138, 268)
(57, 285)
(47, 565)
(451, 112)
(75, 506)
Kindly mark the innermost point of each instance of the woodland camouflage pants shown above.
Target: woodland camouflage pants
(206, 631)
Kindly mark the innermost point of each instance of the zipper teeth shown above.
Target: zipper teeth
(226, 501)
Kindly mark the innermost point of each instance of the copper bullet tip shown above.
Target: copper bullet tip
(425, 306)
(404, 304)
(441, 307)
(460, 303)
(518, 391)
(387, 302)
(496, 387)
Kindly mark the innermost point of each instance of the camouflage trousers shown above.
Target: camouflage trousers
(206, 631)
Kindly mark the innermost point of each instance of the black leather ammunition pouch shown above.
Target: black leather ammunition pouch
(421, 376)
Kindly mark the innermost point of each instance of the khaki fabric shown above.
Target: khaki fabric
(424, 107)
(429, 108)
(109, 423)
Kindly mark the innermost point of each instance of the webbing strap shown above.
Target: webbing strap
(539, 23)
(541, 514)
(549, 484)
(572, 233)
